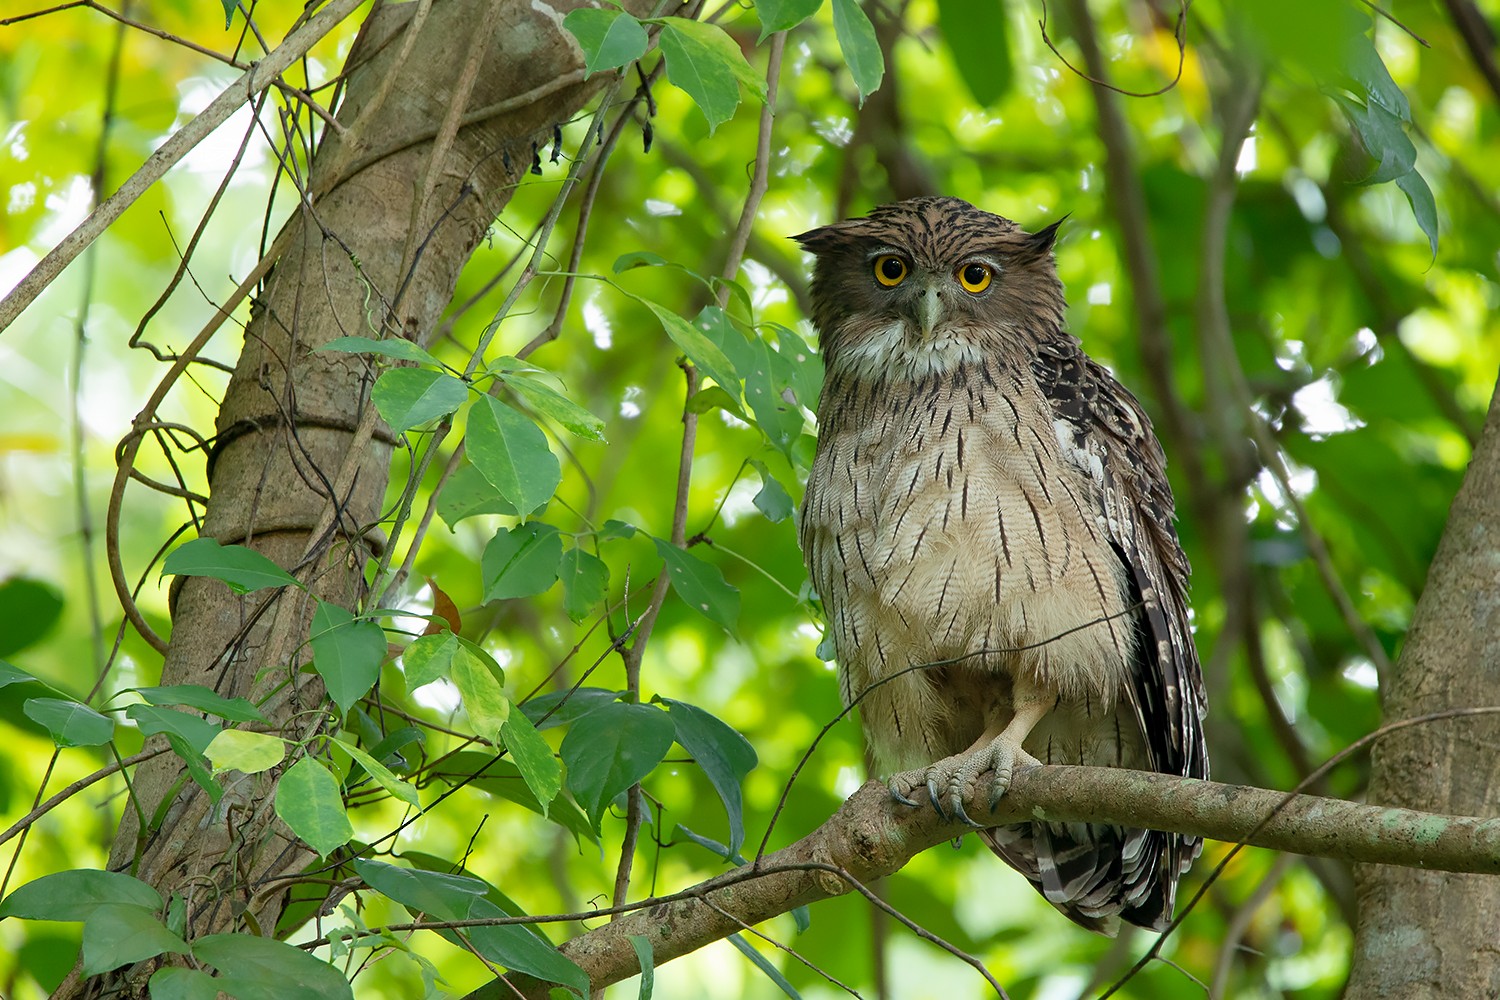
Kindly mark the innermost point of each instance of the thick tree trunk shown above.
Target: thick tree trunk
(1432, 934)
(300, 465)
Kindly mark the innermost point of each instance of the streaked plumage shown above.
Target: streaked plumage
(982, 485)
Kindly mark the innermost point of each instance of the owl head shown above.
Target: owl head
(924, 284)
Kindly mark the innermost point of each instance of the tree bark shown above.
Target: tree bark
(299, 466)
(1428, 934)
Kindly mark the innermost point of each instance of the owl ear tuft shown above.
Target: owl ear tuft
(1039, 243)
(820, 239)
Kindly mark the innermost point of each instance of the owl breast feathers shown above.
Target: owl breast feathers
(989, 505)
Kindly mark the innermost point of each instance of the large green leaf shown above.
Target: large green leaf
(500, 777)
(347, 653)
(725, 756)
(117, 934)
(29, 608)
(198, 733)
(856, 37)
(512, 453)
(76, 894)
(780, 15)
(467, 494)
(395, 786)
(407, 397)
(700, 350)
(612, 748)
(437, 894)
(483, 699)
(610, 38)
(260, 968)
(704, 61)
(521, 562)
(204, 699)
(310, 802)
(394, 347)
(978, 37)
(71, 723)
(520, 948)
(243, 569)
(700, 584)
(243, 750)
(533, 757)
(585, 579)
(551, 403)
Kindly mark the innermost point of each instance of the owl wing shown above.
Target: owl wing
(1103, 429)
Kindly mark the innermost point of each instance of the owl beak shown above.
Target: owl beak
(929, 309)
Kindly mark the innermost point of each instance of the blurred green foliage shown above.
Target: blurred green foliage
(1368, 357)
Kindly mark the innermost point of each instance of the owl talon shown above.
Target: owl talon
(934, 794)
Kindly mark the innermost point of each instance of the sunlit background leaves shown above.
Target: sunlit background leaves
(1364, 356)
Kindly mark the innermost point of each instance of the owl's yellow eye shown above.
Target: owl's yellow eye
(890, 270)
(975, 277)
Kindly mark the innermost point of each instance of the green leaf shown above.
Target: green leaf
(242, 750)
(195, 732)
(640, 258)
(347, 653)
(512, 453)
(773, 499)
(395, 786)
(856, 37)
(29, 608)
(521, 562)
(764, 964)
(437, 894)
(197, 766)
(551, 403)
(117, 934)
(12, 674)
(1419, 196)
(585, 580)
(204, 699)
(556, 708)
(700, 350)
(781, 15)
(700, 584)
(76, 894)
(725, 756)
(1383, 137)
(230, 6)
(521, 949)
(429, 658)
(467, 493)
(779, 419)
(701, 61)
(244, 570)
(978, 36)
(716, 325)
(395, 347)
(484, 701)
(407, 397)
(71, 723)
(310, 802)
(533, 758)
(261, 968)
(173, 982)
(612, 748)
(804, 365)
(609, 38)
(499, 777)
(647, 961)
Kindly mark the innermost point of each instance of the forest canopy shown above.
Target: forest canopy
(407, 409)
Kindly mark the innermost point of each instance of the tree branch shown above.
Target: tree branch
(872, 836)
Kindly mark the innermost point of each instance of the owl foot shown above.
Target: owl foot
(953, 779)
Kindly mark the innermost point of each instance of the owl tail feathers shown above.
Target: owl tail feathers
(1097, 875)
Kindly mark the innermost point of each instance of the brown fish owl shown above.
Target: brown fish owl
(988, 499)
